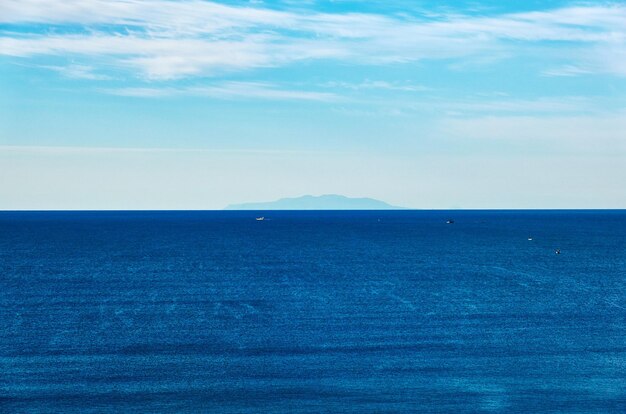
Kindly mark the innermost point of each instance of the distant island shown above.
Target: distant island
(323, 202)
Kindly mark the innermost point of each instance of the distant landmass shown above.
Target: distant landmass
(323, 202)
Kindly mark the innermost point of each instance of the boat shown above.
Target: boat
(450, 221)
(557, 251)
(260, 218)
(530, 239)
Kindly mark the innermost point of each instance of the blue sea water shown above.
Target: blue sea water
(377, 311)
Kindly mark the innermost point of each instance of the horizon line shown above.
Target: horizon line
(308, 210)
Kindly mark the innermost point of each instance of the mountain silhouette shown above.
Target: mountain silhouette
(323, 202)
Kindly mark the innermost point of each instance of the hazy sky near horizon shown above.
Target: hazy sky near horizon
(163, 104)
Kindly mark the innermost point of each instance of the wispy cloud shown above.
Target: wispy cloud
(160, 39)
(229, 90)
(542, 105)
(567, 70)
(79, 72)
(58, 150)
(378, 84)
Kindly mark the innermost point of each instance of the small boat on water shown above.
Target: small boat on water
(450, 221)
(557, 251)
(260, 218)
(530, 239)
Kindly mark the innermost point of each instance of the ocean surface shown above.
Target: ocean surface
(364, 312)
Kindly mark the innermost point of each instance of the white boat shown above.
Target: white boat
(260, 218)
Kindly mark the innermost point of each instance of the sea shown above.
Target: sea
(313, 312)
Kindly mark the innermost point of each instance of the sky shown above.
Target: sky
(191, 104)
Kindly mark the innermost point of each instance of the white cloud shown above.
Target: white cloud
(567, 70)
(230, 90)
(79, 72)
(480, 105)
(58, 150)
(168, 58)
(378, 84)
(159, 39)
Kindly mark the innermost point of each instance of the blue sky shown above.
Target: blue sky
(197, 104)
